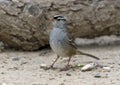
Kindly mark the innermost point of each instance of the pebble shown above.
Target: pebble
(97, 75)
(89, 67)
(68, 74)
(16, 59)
(4, 83)
(62, 84)
(51, 78)
(22, 63)
(2, 72)
(111, 66)
(107, 68)
(43, 65)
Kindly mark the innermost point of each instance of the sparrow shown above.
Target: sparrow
(61, 42)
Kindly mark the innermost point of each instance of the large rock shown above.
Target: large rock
(25, 24)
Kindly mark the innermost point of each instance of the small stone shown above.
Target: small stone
(89, 67)
(111, 66)
(51, 78)
(97, 75)
(68, 74)
(4, 83)
(107, 68)
(16, 59)
(43, 65)
(2, 72)
(14, 68)
(22, 63)
(62, 84)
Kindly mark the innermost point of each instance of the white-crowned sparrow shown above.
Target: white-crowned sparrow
(61, 43)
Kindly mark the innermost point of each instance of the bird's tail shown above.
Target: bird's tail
(89, 55)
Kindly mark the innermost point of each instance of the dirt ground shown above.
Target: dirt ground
(23, 68)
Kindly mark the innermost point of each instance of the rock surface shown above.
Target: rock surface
(25, 24)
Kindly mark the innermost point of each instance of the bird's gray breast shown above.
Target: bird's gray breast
(58, 41)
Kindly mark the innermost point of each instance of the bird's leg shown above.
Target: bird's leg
(55, 61)
(68, 64)
(67, 67)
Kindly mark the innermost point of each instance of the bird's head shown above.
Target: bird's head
(59, 18)
(59, 21)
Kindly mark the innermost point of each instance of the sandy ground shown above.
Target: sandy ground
(23, 68)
